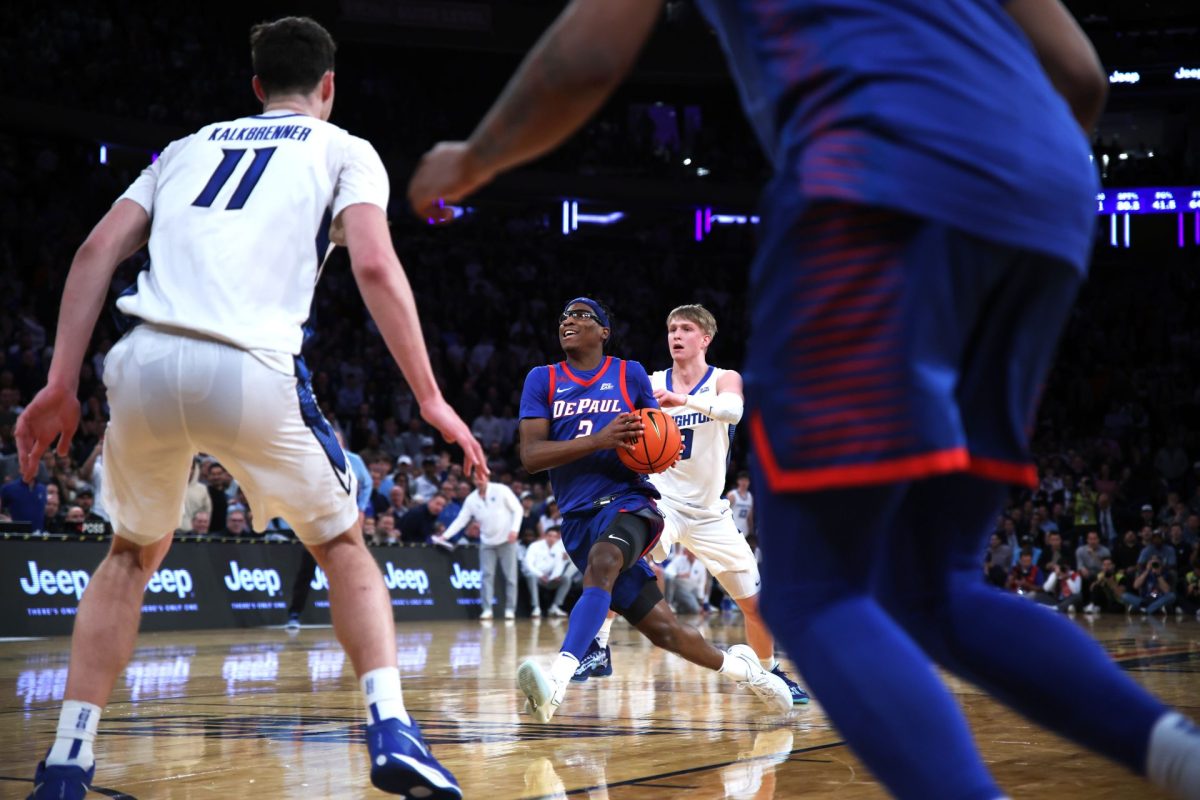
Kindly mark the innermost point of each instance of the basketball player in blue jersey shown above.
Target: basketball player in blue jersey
(930, 220)
(706, 403)
(214, 366)
(573, 416)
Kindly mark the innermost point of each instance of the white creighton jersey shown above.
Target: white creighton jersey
(698, 478)
(240, 215)
(742, 506)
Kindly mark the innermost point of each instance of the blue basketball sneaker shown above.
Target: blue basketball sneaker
(61, 782)
(799, 696)
(402, 764)
(596, 663)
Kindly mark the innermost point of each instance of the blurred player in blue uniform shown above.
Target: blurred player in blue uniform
(573, 416)
(926, 232)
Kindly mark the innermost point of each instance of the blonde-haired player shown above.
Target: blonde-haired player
(706, 403)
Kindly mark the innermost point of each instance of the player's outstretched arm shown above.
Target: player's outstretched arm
(1066, 54)
(54, 412)
(540, 452)
(569, 73)
(726, 405)
(389, 298)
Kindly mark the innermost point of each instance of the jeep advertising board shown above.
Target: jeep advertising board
(224, 585)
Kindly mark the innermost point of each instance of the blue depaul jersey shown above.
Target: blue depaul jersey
(934, 107)
(581, 403)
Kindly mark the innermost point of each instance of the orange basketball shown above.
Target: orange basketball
(658, 446)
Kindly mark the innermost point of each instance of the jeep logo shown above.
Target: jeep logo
(415, 579)
(253, 580)
(466, 578)
(72, 582)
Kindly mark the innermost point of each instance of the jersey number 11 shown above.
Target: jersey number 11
(225, 169)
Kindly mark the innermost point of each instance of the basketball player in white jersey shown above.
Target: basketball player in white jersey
(706, 403)
(741, 503)
(231, 214)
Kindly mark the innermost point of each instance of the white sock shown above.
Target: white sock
(602, 636)
(384, 698)
(77, 724)
(735, 668)
(1173, 756)
(564, 667)
(769, 663)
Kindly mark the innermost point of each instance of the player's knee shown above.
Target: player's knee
(604, 564)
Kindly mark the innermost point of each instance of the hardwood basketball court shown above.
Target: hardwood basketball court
(267, 714)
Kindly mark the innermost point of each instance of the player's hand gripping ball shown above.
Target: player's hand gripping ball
(658, 446)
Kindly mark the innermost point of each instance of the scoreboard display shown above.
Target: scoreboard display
(1149, 200)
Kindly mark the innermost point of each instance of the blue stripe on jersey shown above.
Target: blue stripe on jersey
(279, 116)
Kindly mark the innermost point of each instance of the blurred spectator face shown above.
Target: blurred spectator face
(1193, 525)
(449, 488)
(1026, 560)
(218, 477)
(74, 516)
(1146, 534)
(377, 473)
(51, 505)
(1103, 501)
(1054, 540)
(437, 504)
(52, 491)
(1010, 527)
(1147, 515)
(463, 489)
(85, 500)
(1130, 538)
(1093, 539)
(200, 522)
(235, 522)
(398, 496)
(552, 536)
(994, 541)
(385, 527)
(1176, 533)
(369, 526)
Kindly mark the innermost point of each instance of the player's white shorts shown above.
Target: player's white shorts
(712, 536)
(172, 395)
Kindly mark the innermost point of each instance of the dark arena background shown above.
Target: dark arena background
(655, 203)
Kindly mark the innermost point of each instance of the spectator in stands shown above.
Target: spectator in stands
(52, 518)
(488, 428)
(412, 439)
(1191, 529)
(386, 531)
(1023, 578)
(1085, 506)
(1054, 553)
(1063, 588)
(686, 583)
(196, 498)
(73, 520)
(1090, 556)
(235, 524)
(200, 523)
(550, 517)
(219, 480)
(1151, 589)
(419, 524)
(427, 483)
(1107, 523)
(547, 567)
(1106, 589)
(997, 559)
(1158, 551)
(25, 502)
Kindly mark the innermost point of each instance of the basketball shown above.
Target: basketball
(658, 446)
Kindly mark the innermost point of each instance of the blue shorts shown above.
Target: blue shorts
(582, 530)
(889, 348)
